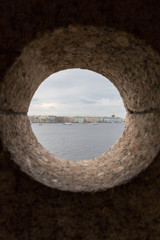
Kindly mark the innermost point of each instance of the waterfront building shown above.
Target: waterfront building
(112, 119)
(76, 119)
(64, 119)
(91, 119)
(32, 119)
(79, 119)
(51, 119)
(101, 119)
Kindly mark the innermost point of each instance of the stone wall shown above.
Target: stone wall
(30, 210)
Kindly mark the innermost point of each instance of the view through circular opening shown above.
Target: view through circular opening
(77, 114)
(111, 53)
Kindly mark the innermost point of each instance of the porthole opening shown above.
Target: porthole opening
(77, 114)
(109, 52)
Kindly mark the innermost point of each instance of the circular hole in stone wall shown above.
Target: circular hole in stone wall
(131, 65)
(77, 114)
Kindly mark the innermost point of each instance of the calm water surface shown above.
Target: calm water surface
(77, 141)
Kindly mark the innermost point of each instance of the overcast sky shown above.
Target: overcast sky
(75, 92)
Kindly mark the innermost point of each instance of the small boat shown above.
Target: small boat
(95, 123)
(67, 123)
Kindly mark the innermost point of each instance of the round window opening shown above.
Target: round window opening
(131, 65)
(77, 114)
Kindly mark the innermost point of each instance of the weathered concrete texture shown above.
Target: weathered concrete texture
(134, 151)
(132, 66)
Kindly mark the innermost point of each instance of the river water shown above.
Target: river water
(77, 141)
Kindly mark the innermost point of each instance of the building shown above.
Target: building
(79, 119)
(64, 119)
(51, 119)
(112, 119)
(91, 119)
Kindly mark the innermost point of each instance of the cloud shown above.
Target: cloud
(76, 92)
(48, 105)
(87, 100)
(110, 102)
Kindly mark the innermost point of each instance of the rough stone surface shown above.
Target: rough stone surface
(30, 210)
(134, 151)
(132, 66)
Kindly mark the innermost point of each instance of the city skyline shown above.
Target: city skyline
(77, 92)
(76, 119)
